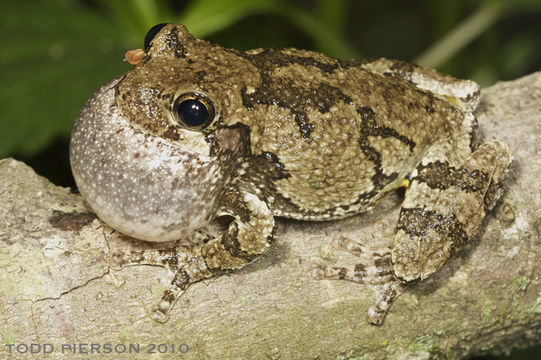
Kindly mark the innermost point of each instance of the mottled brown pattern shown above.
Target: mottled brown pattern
(285, 132)
(308, 106)
(439, 175)
(418, 222)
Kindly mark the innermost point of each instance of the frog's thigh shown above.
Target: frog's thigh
(465, 93)
(444, 207)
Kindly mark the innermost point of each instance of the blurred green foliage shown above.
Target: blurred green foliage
(55, 53)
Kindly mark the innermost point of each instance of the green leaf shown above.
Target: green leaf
(205, 17)
(333, 13)
(328, 41)
(137, 16)
(460, 36)
(55, 54)
(524, 5)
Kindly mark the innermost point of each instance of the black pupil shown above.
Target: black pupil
(192, 112)
(152, 33)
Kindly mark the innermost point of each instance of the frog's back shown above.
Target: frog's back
(341, 136)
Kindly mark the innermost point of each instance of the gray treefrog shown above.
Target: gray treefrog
(194, 132)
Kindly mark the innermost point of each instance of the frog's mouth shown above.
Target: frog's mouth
(140, 184)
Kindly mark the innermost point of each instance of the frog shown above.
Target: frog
(194, 133)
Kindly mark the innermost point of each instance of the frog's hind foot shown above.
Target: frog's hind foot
(374, 270)
(385, 296)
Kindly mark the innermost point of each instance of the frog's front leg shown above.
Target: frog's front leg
(246, 237)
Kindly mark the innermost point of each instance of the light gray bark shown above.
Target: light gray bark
(56, 286)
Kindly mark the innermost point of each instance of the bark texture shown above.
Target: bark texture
(57, 288)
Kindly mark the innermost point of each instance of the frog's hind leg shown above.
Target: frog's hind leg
(444, 207)
(464, 93)
(373, 270)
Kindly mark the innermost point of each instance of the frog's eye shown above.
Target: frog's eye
(152, 33)
(194, 110)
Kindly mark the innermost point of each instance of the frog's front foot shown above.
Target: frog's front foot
(191, 269)
(374, 270)
(160, 312)
(185, 262)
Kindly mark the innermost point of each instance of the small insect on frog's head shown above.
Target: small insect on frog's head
(153, 150)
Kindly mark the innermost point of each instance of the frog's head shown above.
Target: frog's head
(150, 151)
(185, 89)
